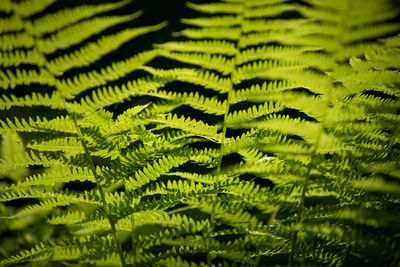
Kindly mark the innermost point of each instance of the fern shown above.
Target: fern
(268, 135)
(299, 66)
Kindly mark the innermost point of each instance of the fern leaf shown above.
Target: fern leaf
(219, 21)
(305, 129)
(68, 144)
(71, 217)
(263, 3)
(370, 32)
(61, 124)
(301, 104)
(12, 148)
(58, 20)
(178, 262)
(285, 37)
(35, 99)
(257, 93)
(216, 33)
(30, 7)
(55, 200)
(180, 188)
(207, 79)
(95, 50)
(378, 184)
(9, 79)
(12, 24)
(19, 57)
(212, 8)
(241, 116)
(74, 86)
(28, 159)
(71, 35)
(152, 171)
(56, 175)
(6, 6)
(381, 59)
(207, 179)
(107, 96)
(25, 255)
(206, 104)
(190, 125)
(268, 11)
(261, 69)
(218, 63)
(393, 41)
(214, 46)
(265, 25)
(363, 12)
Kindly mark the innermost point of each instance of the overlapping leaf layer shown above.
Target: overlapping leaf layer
(273, 140)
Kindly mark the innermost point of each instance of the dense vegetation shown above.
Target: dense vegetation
(260, 133)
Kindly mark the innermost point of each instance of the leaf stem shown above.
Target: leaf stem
(101, 192)
(224, 126)
(89, 159)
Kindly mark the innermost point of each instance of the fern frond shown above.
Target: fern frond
(207, 79)
(68, 144)
(268, 11)
(56, 175)
(187, 124)
(54, 21)
(363, 11)
(59, 124)
(379, 185)
(54, 200)
(19, 57)
(238, 117)
(286, 37)
(69, 218)
(218, 63)
(177, 261)
(35, 99)
(152, 171)
(302, 56)
(25, 255)
(260, 69)
(25, 160)
(107, 96)
(11, 24)
(265, 25)
(182, 189)
(368, 32)
(218, 21)
(292, 153)
(215, 33)
(81, 82)
(214, 46)
(317, 83)
(393, 41)
(6, 6)
(10, 79)
(284, 124)
(76, 33)
(381, 59)
(281, 144)
(213, 8)
(207, 179)
(95, 50)
(210, 105)
(12, 148)
(257, 93)
(30, 7)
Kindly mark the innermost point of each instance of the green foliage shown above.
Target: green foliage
(275, 143)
